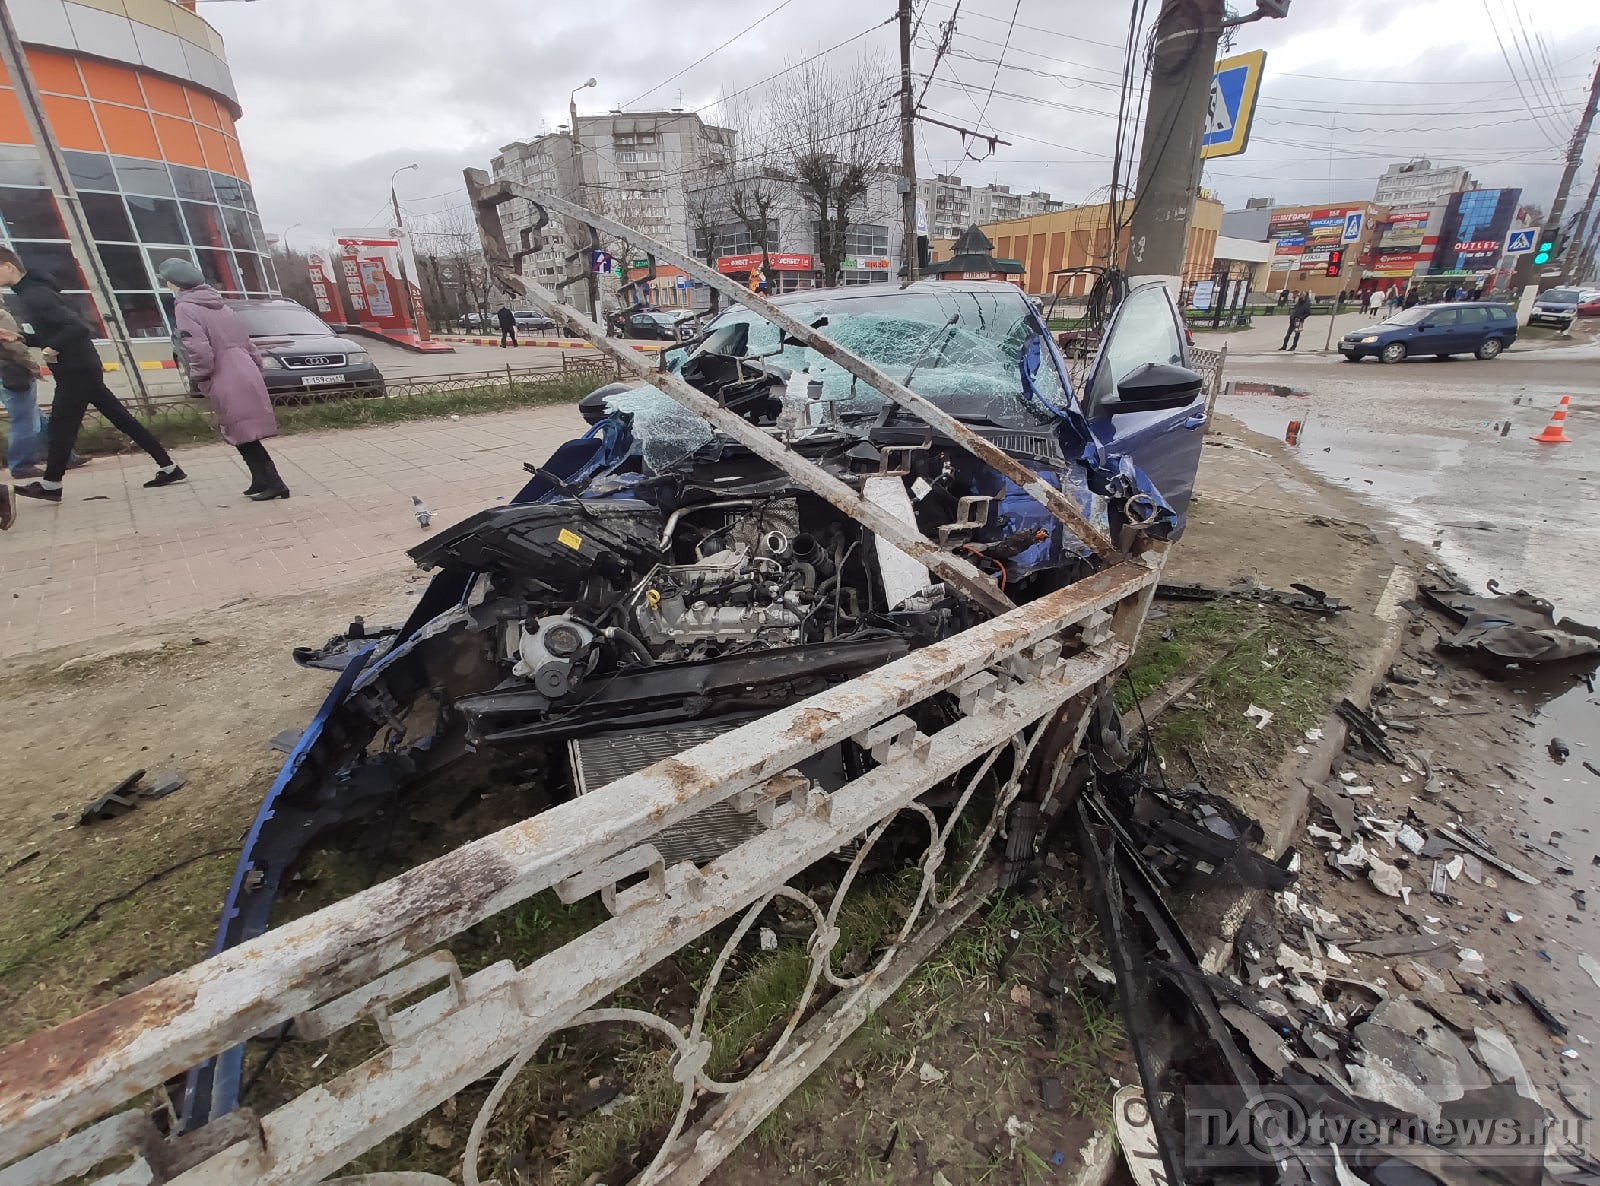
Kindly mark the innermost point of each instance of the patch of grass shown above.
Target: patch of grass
(1175, 644)
(188, 425)
(1277, 668)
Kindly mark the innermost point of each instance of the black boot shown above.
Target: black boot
(265, 484)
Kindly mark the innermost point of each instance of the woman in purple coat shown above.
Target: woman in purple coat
(226, 366)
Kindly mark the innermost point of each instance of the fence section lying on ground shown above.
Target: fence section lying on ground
(1001, 687)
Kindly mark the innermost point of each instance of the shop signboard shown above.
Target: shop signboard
(1473, 231)
(371, 265)
(1406, 228)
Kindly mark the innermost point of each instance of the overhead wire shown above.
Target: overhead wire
(989, 98)
(771, 12)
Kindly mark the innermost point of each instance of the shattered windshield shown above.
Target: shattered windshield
(955, 347)
(965, 351)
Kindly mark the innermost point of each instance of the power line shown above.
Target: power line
(779, 7)
(791, 69)
(1515, 78)
(1000, 61)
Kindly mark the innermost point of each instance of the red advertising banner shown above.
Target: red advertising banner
(371, 267)
(325, 288)
(777, 261)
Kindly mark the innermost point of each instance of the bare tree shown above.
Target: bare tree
(451, 272)
(293, 269)
(831, 133)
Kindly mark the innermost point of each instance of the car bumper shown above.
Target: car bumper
(1547, 317)
(1360, 349)
(344, 381)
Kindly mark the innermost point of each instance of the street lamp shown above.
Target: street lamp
(577, 184)
(400, 250)
(285, 237)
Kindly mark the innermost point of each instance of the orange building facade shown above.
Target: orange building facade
(1080, 237)
(139, 96)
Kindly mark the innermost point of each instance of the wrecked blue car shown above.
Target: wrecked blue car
(655, 584)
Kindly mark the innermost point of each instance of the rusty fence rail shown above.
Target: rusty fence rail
(1015, 692)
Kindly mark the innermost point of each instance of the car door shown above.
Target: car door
(1164, 443)
(1474, 324)
(1439, 334)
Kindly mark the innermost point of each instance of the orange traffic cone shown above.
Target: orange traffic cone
(1555, 433)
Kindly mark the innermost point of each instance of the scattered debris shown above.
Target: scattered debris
(1559, 750)
(1370, 732)
(165, 784)
(1305, 597)
(929, 1073)
(1513, 917)
(1551, 1022)
(1260, 716)
(284, 740)
(1456, 836)
(117, 801)
(1472, 961)
(1511, 628)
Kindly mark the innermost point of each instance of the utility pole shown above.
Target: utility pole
(591, 281)
(1558, 208)
(1183, 58)
(15, 59)
(1583, 231)
(908, 144)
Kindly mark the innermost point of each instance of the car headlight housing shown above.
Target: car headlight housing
(271, 362)
(1369, 340)
(358, 358)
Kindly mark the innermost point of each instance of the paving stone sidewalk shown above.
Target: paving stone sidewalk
(114, 557)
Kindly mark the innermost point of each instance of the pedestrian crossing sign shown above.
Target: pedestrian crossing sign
(1522, 240)
(1234, 87)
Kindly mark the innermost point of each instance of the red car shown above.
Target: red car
(1589, 303)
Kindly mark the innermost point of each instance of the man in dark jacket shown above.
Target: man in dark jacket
(508, 326)
(68, 344)
(1298, 316)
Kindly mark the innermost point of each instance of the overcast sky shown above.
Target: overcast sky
(338, 95)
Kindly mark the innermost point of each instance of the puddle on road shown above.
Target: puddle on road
(1279, 390)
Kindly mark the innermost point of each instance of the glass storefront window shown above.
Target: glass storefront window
(124, 266)
(141, 313)
(20, 165)
(30, 214)
(53, 258)
(108, 218)
(250, 269)
(160, 255)
(205, 225)
(193, 184)
(156, 219)
(230, 190)
(143, 177)
(91, 170)
(219, 270)
(239, 231)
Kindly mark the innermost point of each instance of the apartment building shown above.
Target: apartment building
(1418, 183)
(952, 207)
(636, 167)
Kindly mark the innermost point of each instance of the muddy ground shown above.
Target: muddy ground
(1004, 1022)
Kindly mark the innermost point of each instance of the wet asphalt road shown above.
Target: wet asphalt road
(1443, 450)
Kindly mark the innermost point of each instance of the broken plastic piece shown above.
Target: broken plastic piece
(1261, 716)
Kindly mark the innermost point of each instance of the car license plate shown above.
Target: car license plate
(320, 380)
(1347, 346)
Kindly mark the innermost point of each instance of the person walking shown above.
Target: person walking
(1413, 298)
(19, 391)
(508, 326)
(1376, 301)
(68, 344)
(226, 366)
(1298, 316)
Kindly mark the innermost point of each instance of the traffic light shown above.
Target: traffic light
(1335, 262)
(1549, 245)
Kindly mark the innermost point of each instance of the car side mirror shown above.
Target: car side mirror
(1153, 386)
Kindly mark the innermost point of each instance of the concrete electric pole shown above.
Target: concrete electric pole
(580, 233)
(908, 144)
(1183, 57)
(15, 59)
(1558, 208)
